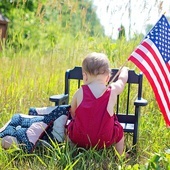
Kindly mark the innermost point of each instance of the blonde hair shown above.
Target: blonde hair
(96, 63)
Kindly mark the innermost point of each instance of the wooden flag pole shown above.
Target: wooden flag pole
(117, 73)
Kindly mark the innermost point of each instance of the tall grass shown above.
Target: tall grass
(32, 72)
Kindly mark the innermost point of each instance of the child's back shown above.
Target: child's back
(94, 123)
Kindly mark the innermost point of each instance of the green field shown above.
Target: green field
(34, 70)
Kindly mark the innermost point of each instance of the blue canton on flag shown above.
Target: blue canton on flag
(160, 35)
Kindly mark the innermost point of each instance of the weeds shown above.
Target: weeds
(32, 68)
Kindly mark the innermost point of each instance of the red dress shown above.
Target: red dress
(92, 125)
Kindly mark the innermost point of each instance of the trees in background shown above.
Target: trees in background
(44, 20)
(79, 15)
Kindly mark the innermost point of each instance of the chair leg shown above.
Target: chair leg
(134, 139)
(135, 136)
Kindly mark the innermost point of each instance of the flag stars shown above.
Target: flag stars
(160, 35)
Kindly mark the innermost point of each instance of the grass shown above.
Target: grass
(28, 79)
(32, 72)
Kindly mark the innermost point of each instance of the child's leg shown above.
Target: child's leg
(120, 146)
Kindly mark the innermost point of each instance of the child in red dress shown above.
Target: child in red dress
(94, 123)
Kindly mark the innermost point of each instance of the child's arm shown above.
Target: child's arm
(122, 79)
(76, 100)
(73, 105)
(117, 87)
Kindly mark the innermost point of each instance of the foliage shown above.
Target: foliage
(32, 66)
(159, 161)
(30, 20)
(79, 15)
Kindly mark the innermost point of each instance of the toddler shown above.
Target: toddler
(94, 123)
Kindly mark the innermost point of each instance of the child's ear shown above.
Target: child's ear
(84, 76)
(108, 78)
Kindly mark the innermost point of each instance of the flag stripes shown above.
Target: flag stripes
(149, 60)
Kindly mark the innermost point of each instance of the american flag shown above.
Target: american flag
(152, 57)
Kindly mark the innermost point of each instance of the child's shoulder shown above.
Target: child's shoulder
(79, 91)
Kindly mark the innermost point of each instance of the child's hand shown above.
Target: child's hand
(124, 74)
(124, 70)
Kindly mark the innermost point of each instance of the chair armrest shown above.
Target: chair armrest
(60, 99)
(140, 102)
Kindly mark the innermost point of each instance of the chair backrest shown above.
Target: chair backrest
(133, 87)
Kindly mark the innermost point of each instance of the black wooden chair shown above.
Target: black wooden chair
(128, 103)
